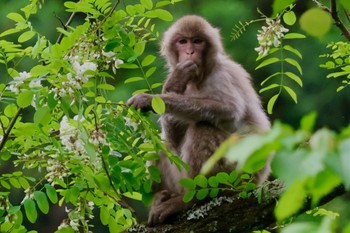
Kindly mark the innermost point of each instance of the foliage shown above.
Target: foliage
(339, 62)
(273, 35)
(201, 186)
(317, 162)
(79, 150)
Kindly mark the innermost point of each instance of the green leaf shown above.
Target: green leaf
(291, 201)
(289, 18)
(104, 215)
(155, 173)
(106, 86)
(16, 17)
(155, 85)
(51, 193)
(316, 22)
(189, 196)
(14, 182)
(150, 71)
(30, 210)
(24, 99)
(293, 50)
(271, 103)
(202, 193)
(345, 4)
(158, 105)
(233, 176)
(307, 123)
(10, 110)
(295, 78)
(42, 116)
(274, 85)
(148, 4)
(25, 36)
(295, 64)
(42, 202)
(23, 182)
(5, 184)
(100, 99)
(213, 181)
(267, 62)
(14, 209)
(291, 93)
(294, 36)
(133, 79)
(187, 183)
(279, 5)
(160, 13)
(214, 192)
(223, 178)
(201, 181)
(268, 78)
(148, 60)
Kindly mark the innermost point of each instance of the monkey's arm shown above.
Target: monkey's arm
(179, 78)
(202, 109)
(193, 108)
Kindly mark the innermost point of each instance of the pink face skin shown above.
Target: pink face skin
(190, 49)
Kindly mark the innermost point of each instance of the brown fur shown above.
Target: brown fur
(201, 112)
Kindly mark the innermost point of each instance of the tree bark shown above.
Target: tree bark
(233, 214)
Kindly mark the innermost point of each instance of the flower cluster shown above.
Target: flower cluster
(79, 217)
(56, 170)
(75, 80)
(70, 136)
(18, 81)
(270, 35)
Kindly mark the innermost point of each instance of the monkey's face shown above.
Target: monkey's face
(190, 49)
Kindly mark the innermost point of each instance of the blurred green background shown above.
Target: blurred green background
(318, 93)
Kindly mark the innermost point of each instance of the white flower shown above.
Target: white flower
(35, 83)
(130, 123)
(108, 54)
(118, 62)
(22, 76)
(17, 82)
(69, 136)
(270, 35)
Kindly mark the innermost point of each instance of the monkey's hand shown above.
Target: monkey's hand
(141, 101)
(161, 210)
(184, 72)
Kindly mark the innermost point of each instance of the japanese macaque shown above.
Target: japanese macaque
(207, 97)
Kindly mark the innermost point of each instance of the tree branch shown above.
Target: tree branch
(9, 128)
(233, 215)
(333, 12)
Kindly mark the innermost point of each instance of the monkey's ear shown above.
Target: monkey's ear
(158, 105)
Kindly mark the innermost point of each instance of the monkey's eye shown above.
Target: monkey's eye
(197, 40)
(182, 41)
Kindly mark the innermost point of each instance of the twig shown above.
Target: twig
(65, 26)
(333, 12)
(9, 128)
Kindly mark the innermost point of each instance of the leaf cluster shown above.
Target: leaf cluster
(202, 187)
(317, 162)
(284, 56)
(339, 62)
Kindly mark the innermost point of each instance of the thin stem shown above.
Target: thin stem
(9, 128)
(69, 21)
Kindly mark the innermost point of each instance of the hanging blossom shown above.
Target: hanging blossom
(77, 79)
(18, 81)
(270, 35)
(70, 136)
